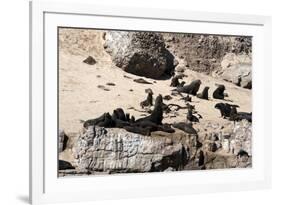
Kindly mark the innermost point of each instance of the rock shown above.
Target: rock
(237, 69)
(65, 165)
(180, 69)
(226, 145)
(117, 150)
(169, 169)
(62, 140)
(242, 137)
(90, 60)
(204, 53)
(140, 53)
(141, 81)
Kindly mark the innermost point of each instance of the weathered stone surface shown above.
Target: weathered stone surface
(140, 53)
(112, 150)
(116, 150)
(237, 69)
(204, 53)
(241, 137)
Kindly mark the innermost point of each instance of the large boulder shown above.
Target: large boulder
(116, 150)
(139, 53)
(237, 69)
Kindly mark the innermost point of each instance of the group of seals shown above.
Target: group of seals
(194, 86)
(143, 126)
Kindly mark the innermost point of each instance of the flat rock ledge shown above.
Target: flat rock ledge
(116, 150)
(99, 151)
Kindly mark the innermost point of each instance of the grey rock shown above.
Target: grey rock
(62, 140)
(237, 69)
(140, 53)
(117, 150)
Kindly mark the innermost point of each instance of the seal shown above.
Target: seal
(204, 94)
(190, 114)
(219, 92)
(156, 115)
(175, 80)
(226, 109)
(149, 99)
(192, 88)
(186, 127)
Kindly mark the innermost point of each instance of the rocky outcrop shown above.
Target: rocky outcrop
(140, 53)
(113, 150)
(225, 57)
(117, 150)
(228, 141)
(237, 69)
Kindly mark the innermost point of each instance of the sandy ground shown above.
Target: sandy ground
(81, 99)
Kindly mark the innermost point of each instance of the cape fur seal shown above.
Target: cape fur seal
(204, 95)
(192, 88)
(149, 99)
(225, 109)
(190, 114)
(230, 111)
(175, 80)
(219, 92)
(186, 127)
(157, 114)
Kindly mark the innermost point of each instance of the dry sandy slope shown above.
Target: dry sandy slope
(81, 99)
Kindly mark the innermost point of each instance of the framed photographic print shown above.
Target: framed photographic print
(130, 102)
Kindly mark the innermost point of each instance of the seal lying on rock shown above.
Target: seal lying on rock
(238, 116)
(186, 127)
(225, 109)
(192, 88)
(230, 111)
(157, 114)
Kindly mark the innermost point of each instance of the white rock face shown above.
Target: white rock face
(237, 69)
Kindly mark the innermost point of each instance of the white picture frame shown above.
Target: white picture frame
(46, 187)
